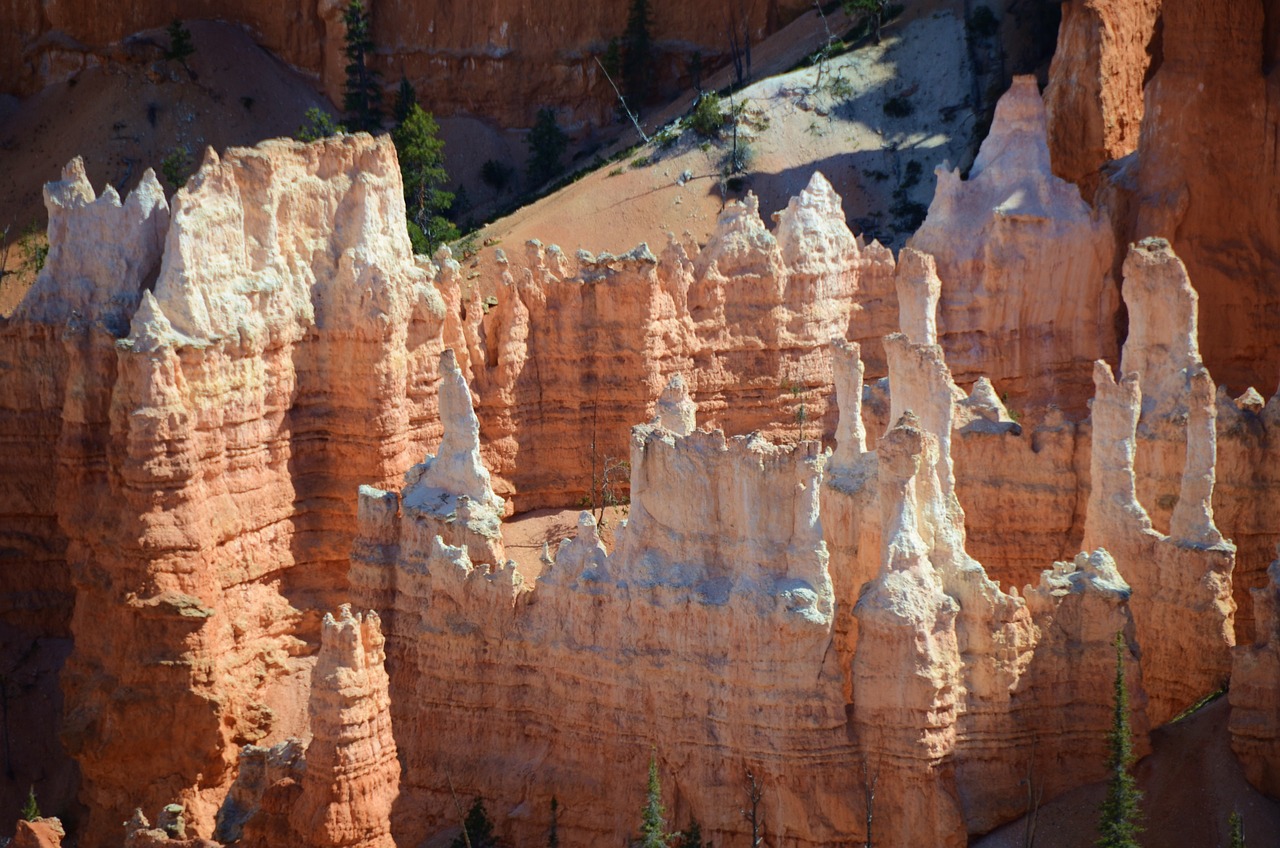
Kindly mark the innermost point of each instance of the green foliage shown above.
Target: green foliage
(177, 166)
(553, 835)
(478, 827)
(406, 99)
(637, 55)
(497, 175)
(691, 836)
(421, 154)
(362, 96)
(1119, 826)
(653, 825)
(180, 44)
(983, 23)
(30, 809)
(317, 124)
(898, 107)
(640, 162)
(708, 115)
(547, 143)
(1237, 830)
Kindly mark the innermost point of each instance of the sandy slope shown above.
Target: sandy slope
(794, 123)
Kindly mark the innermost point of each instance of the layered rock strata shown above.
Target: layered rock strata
(530, 668)
(525, 674)
(192, 417)
(575, 351)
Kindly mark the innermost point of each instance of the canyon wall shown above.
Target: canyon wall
(197, 389)
(502, 61)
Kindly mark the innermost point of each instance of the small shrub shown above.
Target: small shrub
(640, 162)
(898, 107)
(666, 136)
(317, 124)
(707, 117)
(30, 809)
(616, 172)
(177, 167)
(840, 88)
(497, 175)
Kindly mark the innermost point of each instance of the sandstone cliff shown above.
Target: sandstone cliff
(187, 410)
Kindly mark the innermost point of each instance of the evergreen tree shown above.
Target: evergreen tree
(691, 837)
(1237, 831)
(180, 44)
(421, 154)
(653, 827)
(546, 145)
(30, 810)
(1119, 826)
(406, 99)
(637, 56)
(553, 835)
(362, 98)
(479, 828)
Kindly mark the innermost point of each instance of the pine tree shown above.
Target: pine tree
(406, 99)
(546, 145)
(553, 835)
(653, 827)
(180, 44)
(362, 98)
(691, 837)
(1119, 826)
(1237, 830)
(30, 810)
(421, 154)
(637, 56)
(479, 828)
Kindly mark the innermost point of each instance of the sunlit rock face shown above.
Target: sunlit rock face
(1028, 295)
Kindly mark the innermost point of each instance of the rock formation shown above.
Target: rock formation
(206, 402)
(1021, 258)
(748, 319)
(352, 775)
(41, 833)
(185, 412)
(1094, 100)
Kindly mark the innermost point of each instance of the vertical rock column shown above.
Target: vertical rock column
(352, 775)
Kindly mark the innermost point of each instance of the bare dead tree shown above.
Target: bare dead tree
(457, 805)
(753, 815)
(635, 122)
(615, 470)
(869, 781)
